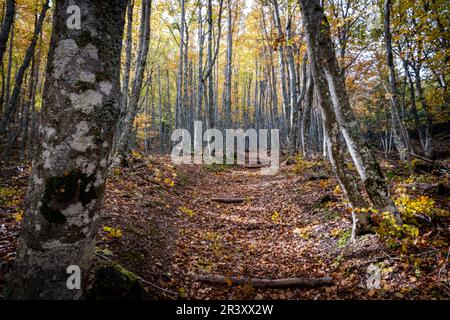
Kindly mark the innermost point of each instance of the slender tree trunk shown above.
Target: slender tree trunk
(400, 141)
(12, 102)
(211, 115)
(125, 138)
(128, 57)
(296, 108)
(179, 105)
(413, 104)
(228, 69)
(70, 167)
(282, 67)
(306, 116)
(160, 113)
(292, 82)
(6, 26)
(428, 147)
(185, 122)
(9, 67)
(211, 61)
(201, 84)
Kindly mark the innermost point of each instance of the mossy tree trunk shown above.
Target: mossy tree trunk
(80, 110)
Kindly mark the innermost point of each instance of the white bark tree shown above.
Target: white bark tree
(80, 110)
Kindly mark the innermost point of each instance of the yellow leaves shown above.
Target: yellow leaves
(389, 96)
(337, 190)
(367, 210)
(116, 172)
(18, 216)
(336, 232)
(214, 241)
(10, 197)
(395, 235)
(276, 217)
(112, 232)
(137, 155)
(157, 177)
(411, 230)
(169, 182)
(409, 208)
(301, 164)
(187, 211)
(303, 233)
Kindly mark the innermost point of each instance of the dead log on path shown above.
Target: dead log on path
(256, 166)
(267, 283)
(228, 200)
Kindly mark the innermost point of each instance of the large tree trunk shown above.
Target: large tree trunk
(361, 222)
(331, 87)
(6, 26)
(81, 105)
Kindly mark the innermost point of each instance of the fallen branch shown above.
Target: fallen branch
(228, 200)
(440, 166)
(256, 166)
(266, 283)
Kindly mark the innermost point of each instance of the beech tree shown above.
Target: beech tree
(400, 137)
(335, 103)
(126, 126)
(81, 105)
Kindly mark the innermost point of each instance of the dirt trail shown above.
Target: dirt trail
(273, 234)
(293, 224)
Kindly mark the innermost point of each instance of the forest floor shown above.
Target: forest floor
(160, 222)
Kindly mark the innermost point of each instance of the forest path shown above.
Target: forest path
(275, 233)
